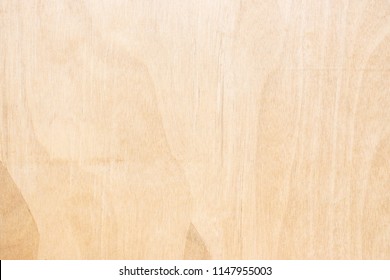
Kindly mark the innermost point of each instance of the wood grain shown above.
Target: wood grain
(195, 129)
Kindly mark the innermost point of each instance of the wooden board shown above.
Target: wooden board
(195, 129)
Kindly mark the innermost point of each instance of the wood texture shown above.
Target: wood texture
(195, 129)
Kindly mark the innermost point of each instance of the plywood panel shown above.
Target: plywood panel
(195, 129)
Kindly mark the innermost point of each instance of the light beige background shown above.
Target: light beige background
(195, 129)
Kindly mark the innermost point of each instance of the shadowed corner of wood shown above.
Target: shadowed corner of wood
(195, 248)
(19, 237)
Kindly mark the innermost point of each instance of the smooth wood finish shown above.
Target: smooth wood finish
(195, 129)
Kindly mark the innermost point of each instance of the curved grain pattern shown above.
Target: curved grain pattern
(195, 248)
(19, 236)
(264, 123)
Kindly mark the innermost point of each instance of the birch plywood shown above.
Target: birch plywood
(195, 129)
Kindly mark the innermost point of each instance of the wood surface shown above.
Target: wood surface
(195, 129)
